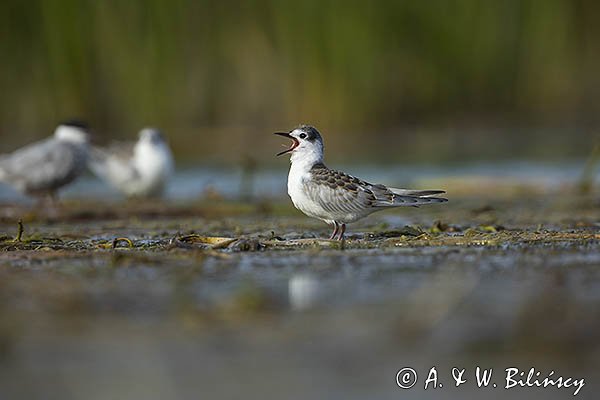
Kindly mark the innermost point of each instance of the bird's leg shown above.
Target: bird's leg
(336, 227)
(49, 203)
(341, 233)
(52, 199)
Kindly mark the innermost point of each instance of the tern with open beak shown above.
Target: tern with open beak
(334, 196)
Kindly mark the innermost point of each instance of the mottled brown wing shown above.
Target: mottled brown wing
(349, 193)
(337, 192)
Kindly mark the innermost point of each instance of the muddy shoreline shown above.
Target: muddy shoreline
(192, 292)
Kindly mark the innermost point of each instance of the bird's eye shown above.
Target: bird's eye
(303, 136)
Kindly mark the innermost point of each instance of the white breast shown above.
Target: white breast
(297, 179)
(154, 164)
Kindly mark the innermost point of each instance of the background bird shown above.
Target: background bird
(43, 167)
(334, 196)
(140, 169)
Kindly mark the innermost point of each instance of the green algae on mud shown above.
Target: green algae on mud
(471, 237)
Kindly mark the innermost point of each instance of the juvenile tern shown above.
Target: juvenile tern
(333, 196)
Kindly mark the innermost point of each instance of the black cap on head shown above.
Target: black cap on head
(311, 132)
(76, 123)
(155, 135)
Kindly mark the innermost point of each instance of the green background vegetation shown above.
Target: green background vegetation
(415, 80)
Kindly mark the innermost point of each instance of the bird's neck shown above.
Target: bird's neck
(304, 161)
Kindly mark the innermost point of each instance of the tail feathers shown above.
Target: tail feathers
(417, 193)
(416, 201)
(411, 198)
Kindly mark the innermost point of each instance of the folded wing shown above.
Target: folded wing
(336, 191)
(43, 165)
(116, 169)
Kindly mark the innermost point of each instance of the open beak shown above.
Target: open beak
(295, 142)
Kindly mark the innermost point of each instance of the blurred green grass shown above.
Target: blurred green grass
(457, 79)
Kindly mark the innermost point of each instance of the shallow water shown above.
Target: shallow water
(192, 182)
(296, 324)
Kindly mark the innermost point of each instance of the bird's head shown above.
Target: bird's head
(307, 144)
(152, 136)
(73, 131)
